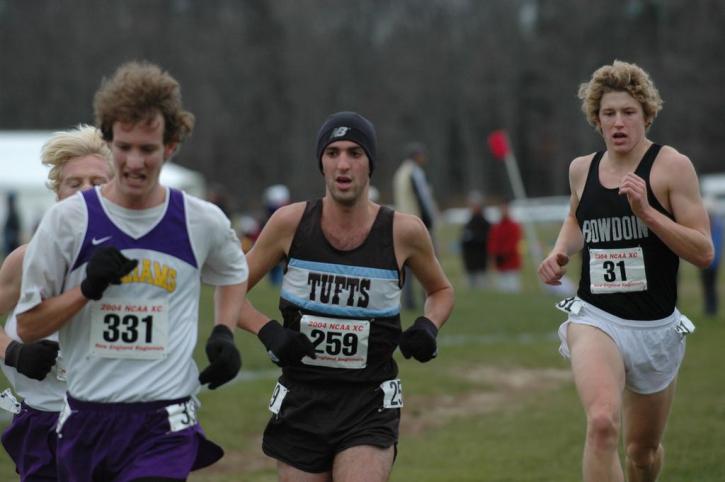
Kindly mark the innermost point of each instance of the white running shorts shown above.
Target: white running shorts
(652, 350)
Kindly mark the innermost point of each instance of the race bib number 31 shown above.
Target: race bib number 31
(617, 270)
(122, 328)
(339, 343)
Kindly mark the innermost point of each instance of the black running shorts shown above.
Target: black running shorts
(313, 424)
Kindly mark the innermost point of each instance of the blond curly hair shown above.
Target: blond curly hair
(620, 77)
(64, 146)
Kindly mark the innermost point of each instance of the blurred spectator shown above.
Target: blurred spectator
(474, 242)
(412, 195)
(503, 247)
(709, 274)
(275, 197)
(217, 195)
(249, 230)
(11, 229)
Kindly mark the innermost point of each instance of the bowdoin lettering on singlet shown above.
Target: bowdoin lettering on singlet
(614, 229)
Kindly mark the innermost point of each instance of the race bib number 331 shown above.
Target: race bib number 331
(122, 328)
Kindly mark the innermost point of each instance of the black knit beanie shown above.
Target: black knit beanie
(347, 126)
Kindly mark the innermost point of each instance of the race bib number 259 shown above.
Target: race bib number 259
(339, 343)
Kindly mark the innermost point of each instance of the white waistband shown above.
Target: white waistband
(643, 324)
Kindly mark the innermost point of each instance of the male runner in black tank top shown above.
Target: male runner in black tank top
(635, 210)
(336, 407)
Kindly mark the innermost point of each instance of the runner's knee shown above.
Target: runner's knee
(642, 455)
(603, 429)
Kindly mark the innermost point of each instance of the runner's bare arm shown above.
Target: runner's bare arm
(688, 235)
(251, 319)
(569, 240)
(50, 315)
(413, 246)
(228, 302)
(273, 242)
(270, 248)
(10, 273)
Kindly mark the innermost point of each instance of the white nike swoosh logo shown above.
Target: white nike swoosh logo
(96, 242)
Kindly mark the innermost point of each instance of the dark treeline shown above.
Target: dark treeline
(261, 75)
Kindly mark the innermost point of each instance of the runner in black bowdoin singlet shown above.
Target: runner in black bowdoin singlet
(635, 211)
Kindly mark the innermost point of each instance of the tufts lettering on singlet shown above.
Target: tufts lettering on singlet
(349, 296)
(169, 236)
(341, 290)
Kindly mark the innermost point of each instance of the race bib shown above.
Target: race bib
(339, 343)
(182, 415)
(617, 270)
(65, 412)
(685, 326)
(61, 373)
(275, 403)
(9, 402)
(392, 393)
(122, 328)
(571, 305)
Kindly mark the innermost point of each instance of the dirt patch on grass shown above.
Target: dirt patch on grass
(500, 388)
(238, 462)
(495, 388)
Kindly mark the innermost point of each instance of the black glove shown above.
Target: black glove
(224, 358)
(107, 266)
(284, 346)
(34, 360)
(419, 341)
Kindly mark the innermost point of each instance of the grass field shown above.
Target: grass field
(498, 403)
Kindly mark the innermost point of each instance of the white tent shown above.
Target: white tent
(22, 173)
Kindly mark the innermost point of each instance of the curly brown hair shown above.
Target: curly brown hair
(136, 92)
(620, 77)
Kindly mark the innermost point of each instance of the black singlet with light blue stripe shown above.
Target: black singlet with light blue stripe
(359, 284)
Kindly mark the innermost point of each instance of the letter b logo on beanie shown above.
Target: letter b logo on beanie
(347, 126)
(339, 132)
